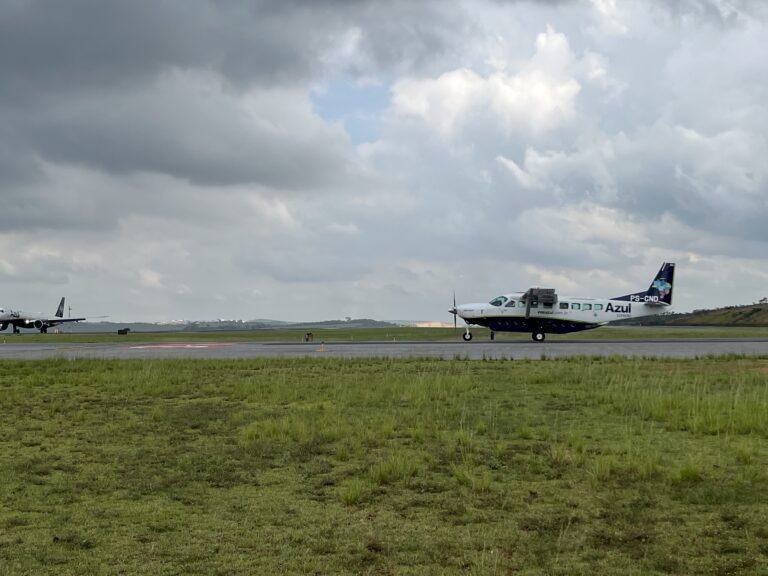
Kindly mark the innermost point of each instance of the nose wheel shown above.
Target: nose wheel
(467, 336)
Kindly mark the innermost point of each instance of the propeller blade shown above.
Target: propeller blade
(454, 310)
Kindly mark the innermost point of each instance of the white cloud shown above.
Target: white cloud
(613, 16)
(539, 98)
(150, 278)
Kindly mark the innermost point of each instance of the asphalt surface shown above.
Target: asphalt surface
(476, 350)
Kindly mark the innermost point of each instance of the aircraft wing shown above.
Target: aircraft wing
(54, 321)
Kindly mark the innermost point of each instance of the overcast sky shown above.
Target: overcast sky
(315, 159)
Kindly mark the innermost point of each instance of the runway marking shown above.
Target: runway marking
(182, 346)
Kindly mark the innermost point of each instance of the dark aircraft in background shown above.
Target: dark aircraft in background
(20, 319)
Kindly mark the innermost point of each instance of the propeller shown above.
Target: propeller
(453, 310)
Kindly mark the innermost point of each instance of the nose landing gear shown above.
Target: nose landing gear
(467, 336)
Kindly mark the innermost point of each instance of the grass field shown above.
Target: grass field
(390, 334)
(583, 466)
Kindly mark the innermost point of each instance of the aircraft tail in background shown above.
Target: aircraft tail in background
(60, 310)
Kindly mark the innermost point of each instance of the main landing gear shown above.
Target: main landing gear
(535, 336)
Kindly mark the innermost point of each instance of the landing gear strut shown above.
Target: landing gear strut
(538, 336)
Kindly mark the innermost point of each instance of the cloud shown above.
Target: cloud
(537, 99)
(150, 278)
(188, 125)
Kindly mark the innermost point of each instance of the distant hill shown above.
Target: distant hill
(272, 324)
(748, 315)
(221, 325)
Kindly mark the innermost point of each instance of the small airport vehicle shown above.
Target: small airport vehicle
(542, 311)
(19, 319)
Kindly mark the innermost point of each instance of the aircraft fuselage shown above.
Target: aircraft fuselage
(541, 311)
(567, 315)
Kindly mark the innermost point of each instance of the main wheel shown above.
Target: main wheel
(467, 336)
(538, 336)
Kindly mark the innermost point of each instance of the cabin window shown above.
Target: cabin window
(511, 304)
(547, 305)
(534, 304)
(575, 306)
(587, 307)
(500, 301)
(521, 304)
(564, 305)
(598, 307)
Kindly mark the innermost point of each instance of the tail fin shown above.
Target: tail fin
(60, 310)
(659, 293)
(660, 290)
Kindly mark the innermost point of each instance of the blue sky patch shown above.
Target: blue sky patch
(358, 106)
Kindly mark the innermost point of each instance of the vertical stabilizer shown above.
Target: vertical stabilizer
(60, 310)
(660, 290)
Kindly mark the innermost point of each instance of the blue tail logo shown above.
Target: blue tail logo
(663, 287)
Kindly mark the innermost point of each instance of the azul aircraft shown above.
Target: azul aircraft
(19, 319)
(542, 311)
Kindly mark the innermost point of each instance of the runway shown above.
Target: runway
(509, 350)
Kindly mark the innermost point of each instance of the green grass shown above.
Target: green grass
(395, 334)
(332, 466)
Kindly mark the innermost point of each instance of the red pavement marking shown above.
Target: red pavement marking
(179, 345)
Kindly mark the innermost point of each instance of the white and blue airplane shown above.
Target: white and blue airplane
(542, 311)
(20, 319)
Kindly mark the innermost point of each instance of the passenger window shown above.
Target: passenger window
(575, 306)
(534, 304)
(598, 307)
(521, 304)
(587, 307)
(547, 305)
(563, 305)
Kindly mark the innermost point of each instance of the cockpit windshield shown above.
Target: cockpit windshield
(500, 301)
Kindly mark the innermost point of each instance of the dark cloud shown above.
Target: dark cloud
(48, 48)
(191, 130)
(155, 86)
